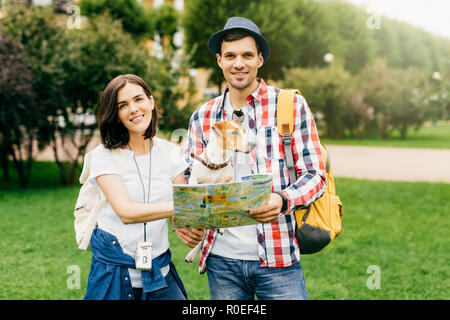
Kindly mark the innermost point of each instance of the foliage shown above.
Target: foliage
(439, 99)
(134, 18)
(18, 107)
(300, 33)
(173, 88)
(141, 22)
(378, 99)
(71, 67)
(86, 75)
(326, 91)
(345, 26)
(166, 19)
(35, 29)
(397, 97)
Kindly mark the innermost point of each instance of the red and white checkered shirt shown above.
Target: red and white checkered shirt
(277, 244)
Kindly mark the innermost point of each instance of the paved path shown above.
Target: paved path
(382, 163)
(375, 163)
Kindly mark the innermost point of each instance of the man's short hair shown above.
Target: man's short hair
(237, 34)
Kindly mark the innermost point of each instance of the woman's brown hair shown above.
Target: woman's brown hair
(113, 133)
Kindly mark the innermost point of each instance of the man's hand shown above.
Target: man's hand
(190, 237)
(268, 212)
(224, 180)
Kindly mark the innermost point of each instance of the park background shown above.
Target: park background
(369, 80)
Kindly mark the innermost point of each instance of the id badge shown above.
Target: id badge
(143, 255)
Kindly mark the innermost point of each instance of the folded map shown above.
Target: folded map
(223, 205)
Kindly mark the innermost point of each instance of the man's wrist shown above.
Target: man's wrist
(285, 201)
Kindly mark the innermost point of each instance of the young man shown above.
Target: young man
(261, 259)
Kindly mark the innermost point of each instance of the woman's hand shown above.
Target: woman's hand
(190, 237)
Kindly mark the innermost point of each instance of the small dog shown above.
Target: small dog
(215, 162)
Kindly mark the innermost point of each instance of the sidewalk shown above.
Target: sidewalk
(397, 164)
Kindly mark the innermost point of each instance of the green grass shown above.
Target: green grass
(428, 136)
(400, 227)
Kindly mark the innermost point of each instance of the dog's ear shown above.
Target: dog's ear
(216, 132)
(218, 128)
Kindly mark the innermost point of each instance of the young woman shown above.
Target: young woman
(132, 228)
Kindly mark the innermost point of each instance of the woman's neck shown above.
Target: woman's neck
(139, 145)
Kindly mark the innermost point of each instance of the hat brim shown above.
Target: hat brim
(216, 39)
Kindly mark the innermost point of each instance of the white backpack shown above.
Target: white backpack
(91, 200)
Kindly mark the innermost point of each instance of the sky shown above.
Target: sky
(431, 15)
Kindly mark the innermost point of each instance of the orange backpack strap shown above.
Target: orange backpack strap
(285, 126)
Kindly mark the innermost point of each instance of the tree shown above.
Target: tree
(397, 97)
(135, 19)
(317, 34)
(173, 89)
(167, 20)
(352, 42)
(18, 108)
(95, 54)
(326, 91)
(69, 68)
(204, 17)
(34, 30)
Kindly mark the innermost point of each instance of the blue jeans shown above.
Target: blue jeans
(171, 292)
(232, 279)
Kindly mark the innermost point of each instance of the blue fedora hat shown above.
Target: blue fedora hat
(234, 23)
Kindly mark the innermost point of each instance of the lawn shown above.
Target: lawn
(399, 229)
(428, 136)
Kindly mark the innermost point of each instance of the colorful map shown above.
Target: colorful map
(223, 205)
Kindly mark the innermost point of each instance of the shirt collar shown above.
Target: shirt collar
(258, 94)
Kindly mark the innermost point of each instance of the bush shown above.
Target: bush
(326, 91)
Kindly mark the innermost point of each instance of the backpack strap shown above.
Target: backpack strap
(86, 167)
(167, 155)
(119, 155)
(285, 126)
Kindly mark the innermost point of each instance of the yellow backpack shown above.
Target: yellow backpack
(321, 222)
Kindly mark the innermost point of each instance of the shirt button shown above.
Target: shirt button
(113, 242)
(130, 295)
(126, 278)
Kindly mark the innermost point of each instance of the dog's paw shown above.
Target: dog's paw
(191, 255)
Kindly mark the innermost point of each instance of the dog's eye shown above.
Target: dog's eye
(235, 133)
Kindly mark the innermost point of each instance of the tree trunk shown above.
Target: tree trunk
(5, 163)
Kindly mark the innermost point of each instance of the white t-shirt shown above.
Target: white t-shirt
(102, 162)
(238, 242)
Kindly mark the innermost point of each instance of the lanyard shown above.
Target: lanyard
(142, 183)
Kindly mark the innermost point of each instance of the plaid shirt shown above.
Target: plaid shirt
(277, 244)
